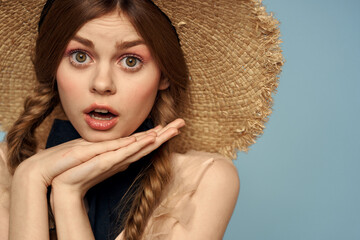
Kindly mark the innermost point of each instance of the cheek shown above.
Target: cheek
(141, 98)
(68, 83)
(145, 92)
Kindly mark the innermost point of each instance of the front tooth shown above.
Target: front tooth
(99, 118)
(101, 111)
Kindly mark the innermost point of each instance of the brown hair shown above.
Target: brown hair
(61, 23)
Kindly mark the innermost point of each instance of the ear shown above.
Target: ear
(164, 83)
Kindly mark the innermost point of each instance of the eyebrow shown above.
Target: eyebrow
(129, 44)
(84, 41)
(119, 45)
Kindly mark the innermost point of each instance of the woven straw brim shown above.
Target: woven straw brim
(232, 48)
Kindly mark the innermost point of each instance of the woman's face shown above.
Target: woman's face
(107, 79)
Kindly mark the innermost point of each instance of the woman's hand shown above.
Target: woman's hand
(76, 166)
(69, 187)
(107, 157)
(117, 155)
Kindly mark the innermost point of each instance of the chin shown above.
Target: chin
(118, 131)
(99, 136)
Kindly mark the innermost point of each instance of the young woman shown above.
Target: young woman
(111, 169)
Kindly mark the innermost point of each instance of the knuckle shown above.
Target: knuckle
(173, 130)
(77, 152)
(121, 166)
(102, 165)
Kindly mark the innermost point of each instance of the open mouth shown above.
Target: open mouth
(100, 117)
(101, 114)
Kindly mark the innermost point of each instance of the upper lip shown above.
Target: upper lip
(94, 106)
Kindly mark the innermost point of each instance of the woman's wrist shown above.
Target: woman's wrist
(70, 214)
(29, 172)
(63, 198)
(27, 177)
(28, 206)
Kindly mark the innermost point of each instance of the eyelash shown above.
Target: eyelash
(73, 61)
(139, 60)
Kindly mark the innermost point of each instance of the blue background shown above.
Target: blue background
(301, 180)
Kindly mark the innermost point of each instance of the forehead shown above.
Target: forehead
(113, 26)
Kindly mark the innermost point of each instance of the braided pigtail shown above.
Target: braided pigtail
(154, 181)
(156, 177)
(21, 141)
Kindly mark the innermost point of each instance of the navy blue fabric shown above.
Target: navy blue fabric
(61, 131)
(104, 198)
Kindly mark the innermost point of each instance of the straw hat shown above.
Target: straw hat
(232, 49)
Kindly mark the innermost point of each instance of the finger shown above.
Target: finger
(158, 127)
(155, 129)
(165, 136)
(151, 133)
(112, 145)
(177, 123)
(78, 154)
(119, 160)
(120, 152)
(137, 150)
(104, 165)
(144, 134)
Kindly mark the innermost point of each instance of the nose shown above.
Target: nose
(103, 82)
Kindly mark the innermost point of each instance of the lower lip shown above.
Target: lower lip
(101, 125)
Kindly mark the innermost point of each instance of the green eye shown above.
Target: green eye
(131, 61)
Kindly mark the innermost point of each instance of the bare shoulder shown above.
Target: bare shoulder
(219, 171)
(222, 177)
(214, 199)
(3, 150)
(220, 180)
(3, 165)
(5, 182)
(5, 176)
